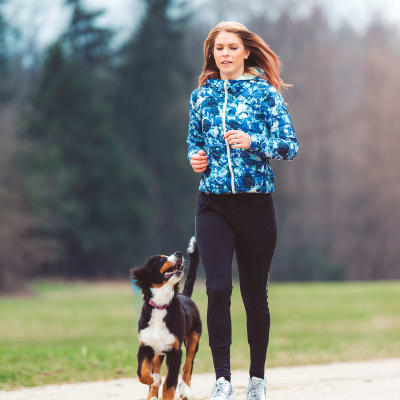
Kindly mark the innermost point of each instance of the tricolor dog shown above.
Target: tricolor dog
(167, 320)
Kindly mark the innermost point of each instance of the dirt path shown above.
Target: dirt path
(369, 380)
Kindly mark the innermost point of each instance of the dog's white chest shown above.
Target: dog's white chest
(157, 334)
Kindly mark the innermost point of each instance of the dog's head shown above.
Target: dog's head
(159, 271)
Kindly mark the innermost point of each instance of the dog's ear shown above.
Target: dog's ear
(141, 275)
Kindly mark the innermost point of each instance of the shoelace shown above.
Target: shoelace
(218, 389)
(252, 391)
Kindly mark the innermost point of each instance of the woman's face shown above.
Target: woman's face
(229, 54)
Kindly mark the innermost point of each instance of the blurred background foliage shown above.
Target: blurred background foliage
(93, 169)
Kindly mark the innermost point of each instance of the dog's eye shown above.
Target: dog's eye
(166, 266)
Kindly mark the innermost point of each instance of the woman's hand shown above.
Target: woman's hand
(238, 139)
(199, 161)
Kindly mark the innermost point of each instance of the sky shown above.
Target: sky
(48, 18)
(359, 12)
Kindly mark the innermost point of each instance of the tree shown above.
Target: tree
(5, 90)
(87, 43)
(152, 107)
(19, 252)
(81, 182)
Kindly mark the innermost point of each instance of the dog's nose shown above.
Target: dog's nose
(178, 254)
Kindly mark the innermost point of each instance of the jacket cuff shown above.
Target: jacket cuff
(191, 152)
(255, 142)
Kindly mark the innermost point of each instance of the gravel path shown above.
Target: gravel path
(368, 380)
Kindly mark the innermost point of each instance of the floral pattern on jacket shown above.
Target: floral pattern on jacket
(253, 106)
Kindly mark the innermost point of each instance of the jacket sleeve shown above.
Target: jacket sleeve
(282, 143)
(195, 141)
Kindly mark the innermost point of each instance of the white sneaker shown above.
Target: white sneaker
(256, 389)
(222, 390)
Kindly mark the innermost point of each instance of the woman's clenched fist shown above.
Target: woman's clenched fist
(199, 161)
(238, 139)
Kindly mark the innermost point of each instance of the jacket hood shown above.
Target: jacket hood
(249, 76)
(218, 83)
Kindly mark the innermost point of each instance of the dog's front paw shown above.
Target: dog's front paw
(183, 391)
(153, 392)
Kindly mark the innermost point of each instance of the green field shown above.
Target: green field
(70, 332)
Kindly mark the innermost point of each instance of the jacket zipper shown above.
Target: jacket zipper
(228, 150)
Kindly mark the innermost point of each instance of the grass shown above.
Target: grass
(71, 332)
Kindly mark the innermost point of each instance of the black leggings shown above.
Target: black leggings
(245, 223)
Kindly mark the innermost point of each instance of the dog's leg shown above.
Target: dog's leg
(171, 379)
(153, 391)
(192, 345)
(145, 360)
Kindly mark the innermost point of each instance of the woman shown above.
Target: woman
(238, 121)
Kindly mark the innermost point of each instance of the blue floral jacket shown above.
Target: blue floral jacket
(249, 104)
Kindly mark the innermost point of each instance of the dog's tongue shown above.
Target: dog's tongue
(169, 273)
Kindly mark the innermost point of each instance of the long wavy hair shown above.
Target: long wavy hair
(261, 55)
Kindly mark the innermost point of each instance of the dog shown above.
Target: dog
(168, 319)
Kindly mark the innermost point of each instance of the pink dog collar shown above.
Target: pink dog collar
(151, 302)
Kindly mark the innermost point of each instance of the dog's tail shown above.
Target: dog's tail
(194, 259)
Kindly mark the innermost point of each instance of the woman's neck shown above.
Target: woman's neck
(233, 75)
